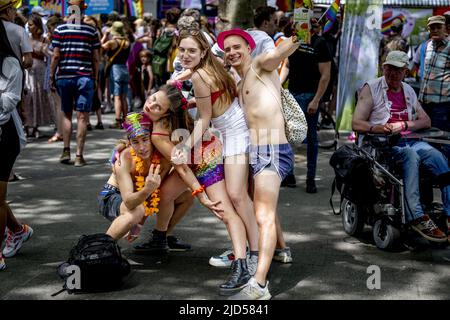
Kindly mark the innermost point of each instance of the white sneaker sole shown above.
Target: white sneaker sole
(267, 296)
(230, 292)
(283, 259)
(219, 263)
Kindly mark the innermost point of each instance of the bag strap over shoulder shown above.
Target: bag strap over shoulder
(260, 79)
(122, 44)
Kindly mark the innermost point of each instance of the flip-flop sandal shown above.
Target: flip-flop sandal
(55, 138)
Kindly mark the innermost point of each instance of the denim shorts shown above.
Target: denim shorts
(76, 93)
(109, 201)
(274, 157)
(120, 78)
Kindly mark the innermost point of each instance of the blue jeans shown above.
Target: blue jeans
(312, 151)
(439, 114)
(412, 154)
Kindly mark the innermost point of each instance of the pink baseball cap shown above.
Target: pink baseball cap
(235, 32)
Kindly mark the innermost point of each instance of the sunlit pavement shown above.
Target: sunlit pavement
(59, 202)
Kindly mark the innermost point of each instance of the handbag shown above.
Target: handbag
(295, 124)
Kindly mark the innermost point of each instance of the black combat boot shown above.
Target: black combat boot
(238, 278)
(156, 245)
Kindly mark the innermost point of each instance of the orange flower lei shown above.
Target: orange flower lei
(152, 202)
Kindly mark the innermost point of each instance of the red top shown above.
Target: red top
(399, 111)
(216, 95)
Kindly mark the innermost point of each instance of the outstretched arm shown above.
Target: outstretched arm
(271, 61)
(166, 148)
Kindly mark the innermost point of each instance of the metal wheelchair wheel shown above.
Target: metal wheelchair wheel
(352, 218)
(385, 235)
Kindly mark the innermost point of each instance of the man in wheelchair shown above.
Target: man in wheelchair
(389, 106)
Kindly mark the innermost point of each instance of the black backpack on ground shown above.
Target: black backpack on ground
(102, 267)
(353, 176)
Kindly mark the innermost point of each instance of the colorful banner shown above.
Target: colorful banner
(360, 41)
(50, 6)
(134, 8)
(99, 6)
(331, 15)
(303, 11)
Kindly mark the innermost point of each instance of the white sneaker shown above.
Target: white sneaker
(223, 260)
(14, 241)
(283, 255)
(253, 291)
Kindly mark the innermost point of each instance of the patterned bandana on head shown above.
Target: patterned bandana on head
(137, 124)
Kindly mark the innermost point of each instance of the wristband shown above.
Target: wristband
(406, 125)
(199, 190)
(370, 130)
(403, 126)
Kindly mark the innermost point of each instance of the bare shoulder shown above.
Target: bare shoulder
(364, 94)
(161, 127)
(201, 76)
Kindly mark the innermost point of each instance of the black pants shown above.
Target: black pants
(9, 148)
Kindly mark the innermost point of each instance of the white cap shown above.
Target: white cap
(39, 10)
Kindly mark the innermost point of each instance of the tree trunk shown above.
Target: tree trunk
(238, 13)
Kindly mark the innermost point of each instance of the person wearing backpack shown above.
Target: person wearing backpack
(118, 50)
(163, 47)
(387, 105)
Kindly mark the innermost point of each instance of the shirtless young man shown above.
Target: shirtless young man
(271, 155)
(124, 198)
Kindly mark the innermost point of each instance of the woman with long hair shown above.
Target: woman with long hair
(171, 123)
(38, 110)
(12, 139)
(217, 102)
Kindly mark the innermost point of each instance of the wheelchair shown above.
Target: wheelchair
(386, 213)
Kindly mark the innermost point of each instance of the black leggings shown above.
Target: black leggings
(9, 148)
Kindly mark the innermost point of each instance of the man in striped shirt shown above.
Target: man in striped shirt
(75, 68)
(435, 88)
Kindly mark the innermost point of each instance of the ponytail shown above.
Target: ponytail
(179, 117)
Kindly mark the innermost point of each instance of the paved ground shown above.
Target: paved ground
(59, 202)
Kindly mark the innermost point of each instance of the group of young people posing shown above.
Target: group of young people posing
(170, 159)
